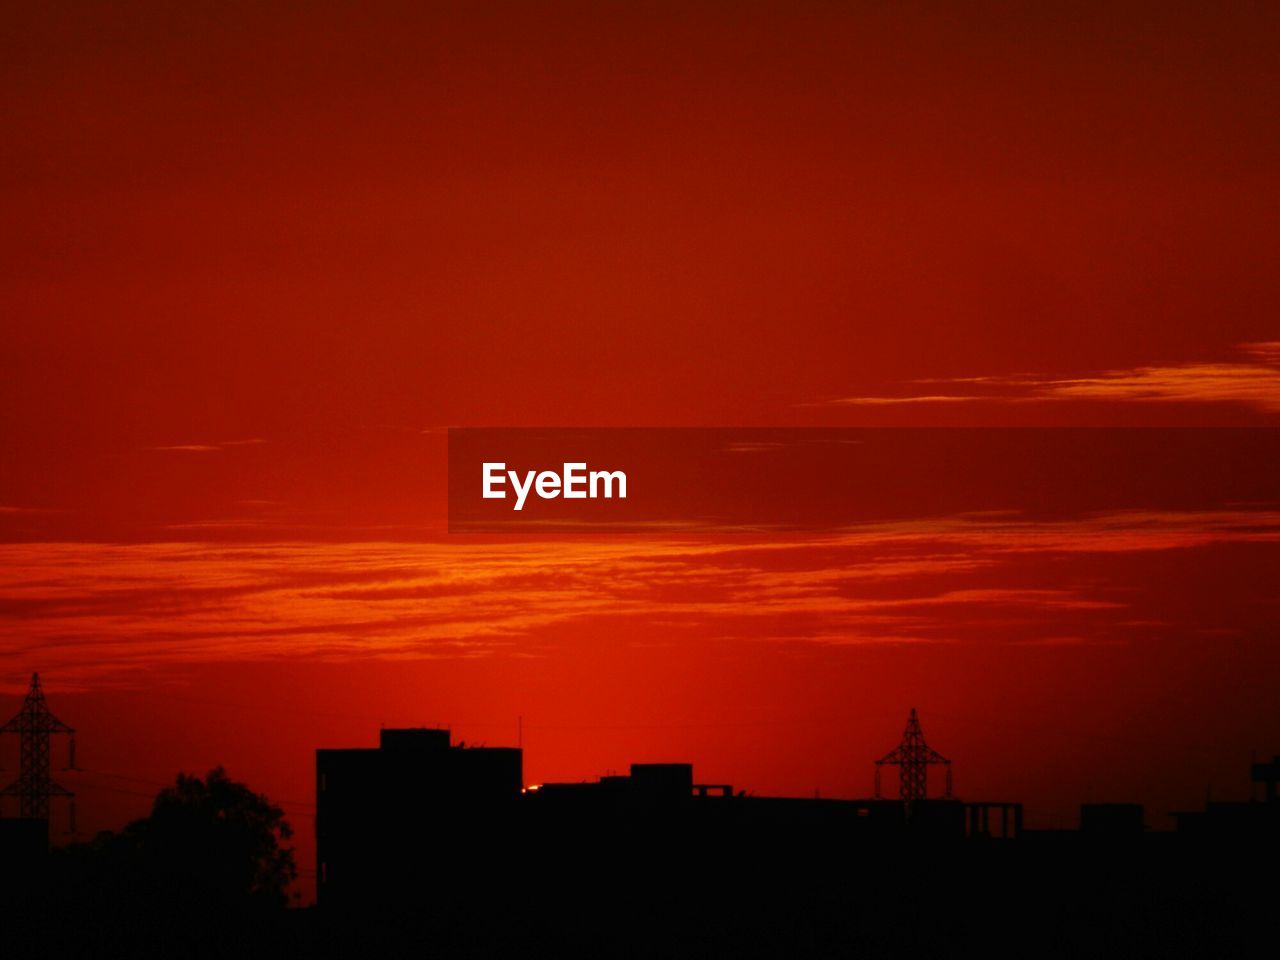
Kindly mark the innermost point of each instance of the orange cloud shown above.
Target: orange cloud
(99, 611)
(208, 447)
(1254, 383)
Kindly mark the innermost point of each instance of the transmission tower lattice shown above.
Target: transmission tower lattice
(913, 757)
(34, 787)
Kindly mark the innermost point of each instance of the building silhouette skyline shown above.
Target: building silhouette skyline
(418, 798)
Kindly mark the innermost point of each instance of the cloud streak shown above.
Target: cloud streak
(207, 447)
(1254, 382)
(96, 612)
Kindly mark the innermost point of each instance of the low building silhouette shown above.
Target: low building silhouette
(419, 816)
(1266, 781)
(422, 831)
(1236, 822)
(1112, 820)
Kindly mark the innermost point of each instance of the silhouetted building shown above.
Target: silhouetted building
(663, 799)
(420, 815)
(421, 824)
(999, 820)
(388, 816)
(1243, 822)
(1111, 820)
(1265, 778)
(1256, 820)
(1233, 823)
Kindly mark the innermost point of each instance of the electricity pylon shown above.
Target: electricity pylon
(913, 757)
(34, 787)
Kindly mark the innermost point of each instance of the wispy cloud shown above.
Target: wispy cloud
(1252, 382)
(208, 447)
(922, 398)
(98, 611)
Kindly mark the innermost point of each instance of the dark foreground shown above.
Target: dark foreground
(1047, 896)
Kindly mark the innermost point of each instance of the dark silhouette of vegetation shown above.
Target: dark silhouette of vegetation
(206, 873)
(209, 844)
(218, 837)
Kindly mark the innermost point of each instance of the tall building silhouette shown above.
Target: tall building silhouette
(389, 816)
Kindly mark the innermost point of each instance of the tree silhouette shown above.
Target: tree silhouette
(216, 839)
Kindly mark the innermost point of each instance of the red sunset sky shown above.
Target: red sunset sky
(257, 257)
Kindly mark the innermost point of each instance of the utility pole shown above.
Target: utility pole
(34, 787)
(913, 757)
